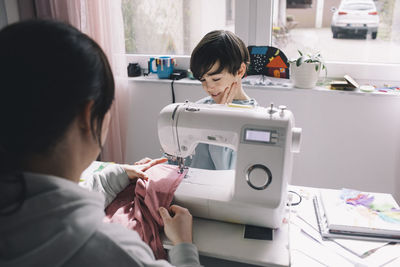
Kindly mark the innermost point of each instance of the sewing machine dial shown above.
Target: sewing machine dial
(258, 176)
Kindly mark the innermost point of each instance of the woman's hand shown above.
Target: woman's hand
(178, 227)
(137, 170)
(229, 94)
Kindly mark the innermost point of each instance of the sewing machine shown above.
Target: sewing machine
(264, 139)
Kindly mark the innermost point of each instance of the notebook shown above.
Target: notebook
(353, 214)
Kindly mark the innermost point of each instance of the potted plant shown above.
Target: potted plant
(304, 70)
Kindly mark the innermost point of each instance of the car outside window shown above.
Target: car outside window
(358, 6)
(360, 31)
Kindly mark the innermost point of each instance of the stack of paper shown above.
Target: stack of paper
(308, 248)
(357, 215)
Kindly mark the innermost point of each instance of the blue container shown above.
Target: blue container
(164, 66)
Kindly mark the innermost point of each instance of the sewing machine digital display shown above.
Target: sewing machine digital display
(260, 136)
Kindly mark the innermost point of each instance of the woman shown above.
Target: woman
(57, 89)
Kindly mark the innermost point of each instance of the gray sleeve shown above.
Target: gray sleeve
(110, 181)
(184, 254)
(130, 243)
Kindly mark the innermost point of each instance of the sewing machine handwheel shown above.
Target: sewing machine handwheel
(258, 176)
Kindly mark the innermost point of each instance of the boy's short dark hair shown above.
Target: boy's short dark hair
(222, 46)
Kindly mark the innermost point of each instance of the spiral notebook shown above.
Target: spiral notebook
(353, 214)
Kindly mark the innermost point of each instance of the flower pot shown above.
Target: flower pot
(305, 75)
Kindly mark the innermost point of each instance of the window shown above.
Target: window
(173, 27)
(362, 31)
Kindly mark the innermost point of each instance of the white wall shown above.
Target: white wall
(349, 139)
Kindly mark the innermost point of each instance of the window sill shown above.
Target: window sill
(154, 78)
(359, 71)
(274, 85)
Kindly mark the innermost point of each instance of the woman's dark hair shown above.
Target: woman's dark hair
(222, 46)
(48, 72)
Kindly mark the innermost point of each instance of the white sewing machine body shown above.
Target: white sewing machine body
(264, 140)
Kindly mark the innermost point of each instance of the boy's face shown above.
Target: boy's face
(216, 84)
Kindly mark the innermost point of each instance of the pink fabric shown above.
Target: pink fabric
(136, 207)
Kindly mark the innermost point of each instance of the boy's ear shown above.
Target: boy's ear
(242, 70)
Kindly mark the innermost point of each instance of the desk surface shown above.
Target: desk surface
(297, 243)
(225, 241)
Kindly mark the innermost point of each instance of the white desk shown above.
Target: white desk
(295, 244)
(225, 241)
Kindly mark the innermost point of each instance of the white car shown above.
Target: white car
(355, 17)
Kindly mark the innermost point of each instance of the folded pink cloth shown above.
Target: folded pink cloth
(136, 207)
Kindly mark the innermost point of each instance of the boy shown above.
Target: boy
(219, 61)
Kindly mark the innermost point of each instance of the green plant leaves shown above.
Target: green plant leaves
(300, 61)
(310, 58)
(301, 54)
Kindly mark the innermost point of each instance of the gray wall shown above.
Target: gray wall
(3, 14)
(9, 12)
(12, 10)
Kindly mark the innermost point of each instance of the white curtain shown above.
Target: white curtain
(101, 20)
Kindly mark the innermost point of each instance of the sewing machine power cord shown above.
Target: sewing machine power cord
(291, 198)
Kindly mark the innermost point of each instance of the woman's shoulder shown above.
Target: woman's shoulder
(120, 242)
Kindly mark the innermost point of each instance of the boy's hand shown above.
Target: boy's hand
(229, 94)
(138, 169)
